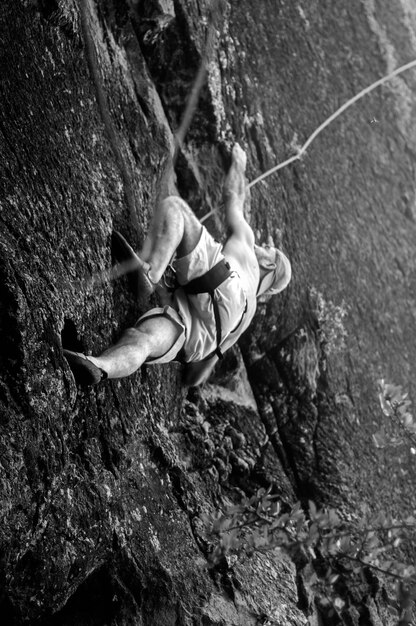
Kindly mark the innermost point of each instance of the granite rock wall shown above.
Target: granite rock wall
(102, 491)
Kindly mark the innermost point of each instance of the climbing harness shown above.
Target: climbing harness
(208, 283)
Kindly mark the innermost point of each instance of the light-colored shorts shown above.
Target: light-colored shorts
(194, 313)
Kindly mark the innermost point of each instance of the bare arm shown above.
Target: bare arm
(234, 194)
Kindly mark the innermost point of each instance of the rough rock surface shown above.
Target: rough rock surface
(102, 491)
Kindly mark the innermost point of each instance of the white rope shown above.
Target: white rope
(199, 81)
(344, 107)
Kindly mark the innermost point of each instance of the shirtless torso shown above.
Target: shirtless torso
(239, 250)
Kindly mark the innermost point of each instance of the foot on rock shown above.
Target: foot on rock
(84, 370)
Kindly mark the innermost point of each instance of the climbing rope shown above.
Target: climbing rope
(93, 64)
(94, 68)
(191, 108)
(329, 120)
(199, 79)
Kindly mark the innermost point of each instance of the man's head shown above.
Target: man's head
(275, 270)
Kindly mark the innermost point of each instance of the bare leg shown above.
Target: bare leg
(174, 228)
(151, 339)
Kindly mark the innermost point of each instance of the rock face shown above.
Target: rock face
(102, 491)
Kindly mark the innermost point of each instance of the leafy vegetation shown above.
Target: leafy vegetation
(333, 554)
(400, 429)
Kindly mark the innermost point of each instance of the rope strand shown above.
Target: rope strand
(199, 80)
(331, 118)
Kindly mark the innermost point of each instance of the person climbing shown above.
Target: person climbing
(216, 294)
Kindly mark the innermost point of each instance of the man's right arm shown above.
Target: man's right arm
(234, 195)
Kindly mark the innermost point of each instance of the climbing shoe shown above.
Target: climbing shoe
(84, 370)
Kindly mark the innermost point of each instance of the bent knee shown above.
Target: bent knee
(133, 335)
(174, 206)
(175, 203)
(172, 203)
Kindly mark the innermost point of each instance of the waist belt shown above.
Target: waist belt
(207, 283)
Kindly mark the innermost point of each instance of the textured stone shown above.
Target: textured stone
(103, 491)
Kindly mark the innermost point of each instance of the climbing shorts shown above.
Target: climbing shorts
(193, 313)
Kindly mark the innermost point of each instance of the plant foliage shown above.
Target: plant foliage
(334, 554)
(396, 406)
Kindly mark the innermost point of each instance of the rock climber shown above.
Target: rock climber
(216, 294)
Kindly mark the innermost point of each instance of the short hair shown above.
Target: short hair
(275, 274)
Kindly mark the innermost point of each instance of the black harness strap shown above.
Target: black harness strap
(218, 328)
(208, 283)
